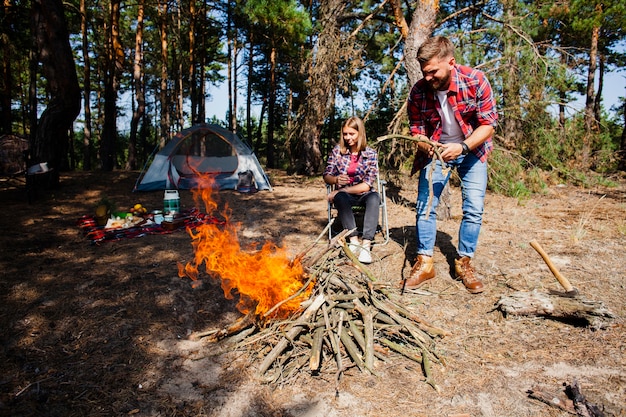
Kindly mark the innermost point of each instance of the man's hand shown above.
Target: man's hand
(425, 148)
(451, 151)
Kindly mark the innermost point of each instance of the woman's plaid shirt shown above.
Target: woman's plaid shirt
(367, 168)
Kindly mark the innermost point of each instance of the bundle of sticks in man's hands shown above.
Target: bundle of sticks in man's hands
(349, 321)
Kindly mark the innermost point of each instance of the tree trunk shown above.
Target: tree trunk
(202, 63)
(139, 89)
(178, 60)
(114, 63)
(249, 88)
(87, 142)
(193, 88)
(511, 123)
(163, 94)
(597, 101)
(232, 71)
(306, 154)
(422, 25)
(51, 38)
(270, 151)
(590, 120)
(622, 157)
(6, 117)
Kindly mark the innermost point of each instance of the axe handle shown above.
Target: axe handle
(562, 280)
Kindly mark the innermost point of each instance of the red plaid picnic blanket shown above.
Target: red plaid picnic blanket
(96, 234)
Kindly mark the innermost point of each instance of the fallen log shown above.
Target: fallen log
(575, 309)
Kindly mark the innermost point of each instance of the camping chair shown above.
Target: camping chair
(383, 226)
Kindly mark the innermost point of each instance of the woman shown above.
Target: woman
(352, 170)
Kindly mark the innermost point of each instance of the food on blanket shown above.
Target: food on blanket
(114, 224)
(138, 209)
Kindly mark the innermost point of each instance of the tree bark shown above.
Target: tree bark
(422, 25)
(139, 90)
(87, 142)
(597, 101)
(591, 125)
(163, 93)
(270, 151)
(511, 123)
(6, 117)
(249, 88)
(51, 38)
(622, 156)
(114, 63)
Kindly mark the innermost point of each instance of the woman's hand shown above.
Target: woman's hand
(342, 179)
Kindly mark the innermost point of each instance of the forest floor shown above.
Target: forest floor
(104, 330)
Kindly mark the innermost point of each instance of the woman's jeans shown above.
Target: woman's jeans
(371, 201)
(473, 174)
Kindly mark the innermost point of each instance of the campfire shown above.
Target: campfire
(320, 311)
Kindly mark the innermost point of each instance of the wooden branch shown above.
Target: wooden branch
(334, 343)
(291, 334)
(401, 350)
(331, 245)
(236, 327)
(352, 350)
(427, 372)
(368, 341)
(316, 349)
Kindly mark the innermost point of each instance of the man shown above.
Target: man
(453, 105)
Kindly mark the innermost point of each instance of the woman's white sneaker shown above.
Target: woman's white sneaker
(365, 257)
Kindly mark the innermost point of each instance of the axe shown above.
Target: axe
(570, 291)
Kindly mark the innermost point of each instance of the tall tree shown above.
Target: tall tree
(6, 80)
(138, 88)
(322, 73)
(51, 39)
(164, 96)
(87, 143)
(283, 25)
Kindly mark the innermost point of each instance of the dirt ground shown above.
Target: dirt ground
(104, 330)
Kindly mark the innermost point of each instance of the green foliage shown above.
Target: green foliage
(509, 175)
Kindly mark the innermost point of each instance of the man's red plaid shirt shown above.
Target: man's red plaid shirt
(471, 98)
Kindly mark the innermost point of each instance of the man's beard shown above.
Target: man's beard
(443, 82)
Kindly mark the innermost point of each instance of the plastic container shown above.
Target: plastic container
(171, 202)
(158, 216)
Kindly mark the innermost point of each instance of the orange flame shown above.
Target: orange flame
(262, 278)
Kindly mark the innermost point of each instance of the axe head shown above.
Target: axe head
(568, 294)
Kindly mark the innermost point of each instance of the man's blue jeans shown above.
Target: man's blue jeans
(473, 174)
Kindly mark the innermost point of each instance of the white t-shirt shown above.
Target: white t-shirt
(451, 131)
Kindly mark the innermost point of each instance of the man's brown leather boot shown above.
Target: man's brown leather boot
(422, 271)
(465, 272)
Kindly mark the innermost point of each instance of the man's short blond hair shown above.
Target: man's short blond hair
(436, 47)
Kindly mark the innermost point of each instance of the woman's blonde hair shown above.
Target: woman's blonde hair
(358, 125)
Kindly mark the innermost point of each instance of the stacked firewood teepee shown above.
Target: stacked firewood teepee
(349, 320)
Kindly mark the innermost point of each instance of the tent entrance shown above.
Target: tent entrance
(205, 152)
